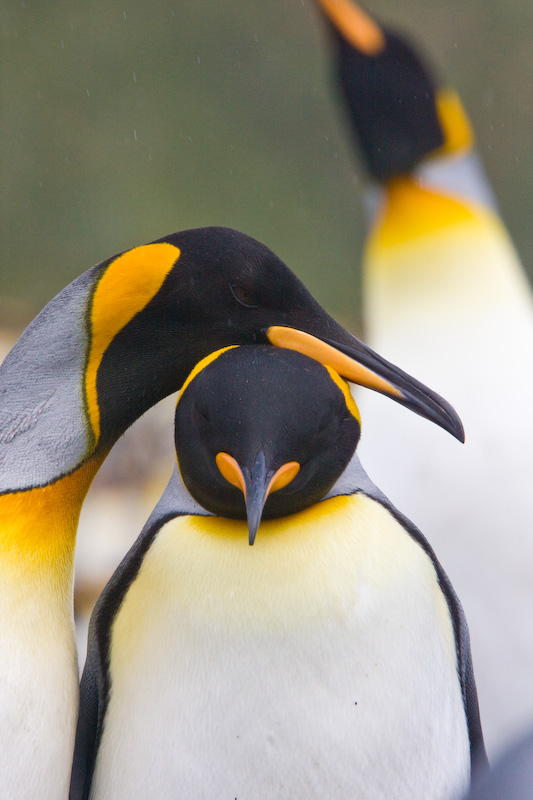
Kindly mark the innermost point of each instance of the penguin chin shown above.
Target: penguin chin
(278, 505)
(230, 503)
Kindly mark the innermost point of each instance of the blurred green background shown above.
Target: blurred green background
(125, 121)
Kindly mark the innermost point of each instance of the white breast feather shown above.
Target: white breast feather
(318, 663)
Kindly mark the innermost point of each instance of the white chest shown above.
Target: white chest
(320, 662)
(454, 310)
(38, 690)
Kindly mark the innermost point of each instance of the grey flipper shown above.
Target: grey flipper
(353, 480)
(44, 430)
(95, 686)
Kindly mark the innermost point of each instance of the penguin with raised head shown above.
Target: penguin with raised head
(445, 295)
(114, 342)
(331, 659)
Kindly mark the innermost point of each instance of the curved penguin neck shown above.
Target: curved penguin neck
(50, 406)
(45, 463)
(50, 450)
(38, 669)
(38, 530)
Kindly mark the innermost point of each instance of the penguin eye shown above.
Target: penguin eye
(243, 296)
(324, 422)
(202, 413)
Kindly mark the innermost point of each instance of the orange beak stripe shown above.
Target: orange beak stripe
(283, 476)
(357, 27)
(293, 339)
(231, 471)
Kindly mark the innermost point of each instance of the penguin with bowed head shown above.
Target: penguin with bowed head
(330, 659)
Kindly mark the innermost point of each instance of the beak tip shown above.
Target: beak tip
(456, 426)
(251, 537)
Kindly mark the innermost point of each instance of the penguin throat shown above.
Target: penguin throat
(38, 526)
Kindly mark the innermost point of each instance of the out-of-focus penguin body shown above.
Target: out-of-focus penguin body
(445, 295)
(331, 659)
(118, 339)
(511, 777)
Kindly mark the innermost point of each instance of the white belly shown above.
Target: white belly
(455, 312)
(319, 663)
(38, 689)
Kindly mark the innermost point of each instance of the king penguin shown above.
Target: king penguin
(331, 659)
(446, 296)
(118, 339)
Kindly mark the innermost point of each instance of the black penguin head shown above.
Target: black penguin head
(263, 432)
(224, 288)
(389, 91)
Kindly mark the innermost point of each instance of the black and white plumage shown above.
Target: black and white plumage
(444, 294)
(113, 343)
(330, 659)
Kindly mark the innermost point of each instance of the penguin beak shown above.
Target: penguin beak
(357, 27)
(357, 363)
(256, 484)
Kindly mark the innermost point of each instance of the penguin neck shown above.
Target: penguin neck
(38, 669)
(434, 249)
(410, 210)
(443, 190)
(50, 382)
(38, 533)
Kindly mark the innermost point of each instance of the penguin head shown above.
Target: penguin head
(218, 287)
(399, 113)
(263, 432)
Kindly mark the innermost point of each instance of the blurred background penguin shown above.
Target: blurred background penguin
(444, 293)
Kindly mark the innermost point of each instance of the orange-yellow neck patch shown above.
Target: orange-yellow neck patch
(345, 389)
(411, 210)
(125, 288)
(38, 526)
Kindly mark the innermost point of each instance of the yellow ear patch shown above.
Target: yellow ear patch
(456, 127)
(357, 27)
(125, 288)
(345, 389)
(203, 364)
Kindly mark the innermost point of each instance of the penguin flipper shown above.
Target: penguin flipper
(90, 713)
(478, 755)
(465, 669)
